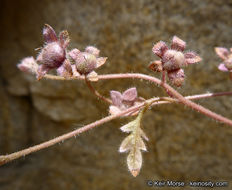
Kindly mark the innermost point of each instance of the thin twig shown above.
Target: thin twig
(164, 81)
(156, 101)
(171, 90)
(92, 89)
(7, 158)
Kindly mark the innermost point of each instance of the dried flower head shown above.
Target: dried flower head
(121, 102)
(53, 54)
(173, 59)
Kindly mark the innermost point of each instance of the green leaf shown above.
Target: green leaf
(134, 144)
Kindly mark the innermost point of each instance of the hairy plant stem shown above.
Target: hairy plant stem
(94, 91)
(164, 81)
(7, 158)
(168, 88)
(155, 101)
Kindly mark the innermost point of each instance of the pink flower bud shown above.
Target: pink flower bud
(124, 101)
(52, 55)
(176, 77)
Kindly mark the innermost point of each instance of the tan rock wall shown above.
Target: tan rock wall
(184, 145)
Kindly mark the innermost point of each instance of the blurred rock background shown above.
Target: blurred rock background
(184, 145)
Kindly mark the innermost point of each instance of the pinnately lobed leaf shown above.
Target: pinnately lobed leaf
(134, 144)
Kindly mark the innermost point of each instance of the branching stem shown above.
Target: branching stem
(168, 88)
(177, 98)
(156, 101)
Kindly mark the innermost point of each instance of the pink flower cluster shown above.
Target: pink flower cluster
(54, 55)
(173, 59)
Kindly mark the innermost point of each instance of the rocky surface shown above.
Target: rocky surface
(184, 145)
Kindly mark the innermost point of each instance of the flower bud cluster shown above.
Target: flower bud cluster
(54, 55)
(173, 59)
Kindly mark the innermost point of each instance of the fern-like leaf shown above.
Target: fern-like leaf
(134, 144)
